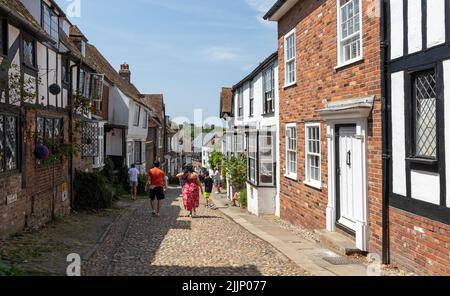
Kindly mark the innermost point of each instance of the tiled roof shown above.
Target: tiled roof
(76, 32)
(156, 103)
(100, 64)
(19, 12)
(67, 42)
(226, 101)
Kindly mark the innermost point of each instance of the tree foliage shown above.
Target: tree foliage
(236, 169)
(216, 159)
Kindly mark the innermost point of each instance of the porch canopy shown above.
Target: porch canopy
(351, 108)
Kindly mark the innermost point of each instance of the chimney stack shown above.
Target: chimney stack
(125, 72)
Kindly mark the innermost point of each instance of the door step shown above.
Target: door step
(341, 244)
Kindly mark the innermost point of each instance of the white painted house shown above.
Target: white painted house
(211, 141)
(127, 127)
(256, 125)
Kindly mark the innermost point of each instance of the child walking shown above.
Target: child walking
(208, 181)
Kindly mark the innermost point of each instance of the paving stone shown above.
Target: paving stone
(174, 244)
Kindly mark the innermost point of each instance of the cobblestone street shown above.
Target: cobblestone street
(174, 244)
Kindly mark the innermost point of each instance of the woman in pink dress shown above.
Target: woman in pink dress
(191, 190)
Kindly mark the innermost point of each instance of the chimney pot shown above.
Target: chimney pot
(125, 72)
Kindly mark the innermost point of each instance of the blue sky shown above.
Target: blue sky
(185, 49)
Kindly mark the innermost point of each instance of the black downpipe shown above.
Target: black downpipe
(385, 138)
(71, 165)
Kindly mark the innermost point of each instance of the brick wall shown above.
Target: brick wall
(44, 183)
(418, 243)
(38, 187)
(12, 215)
(317, 82)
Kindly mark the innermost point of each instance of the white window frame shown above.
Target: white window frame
(269, 89)
(240, 104)
(263, 159)
(251, 107)
(294, 59)
(160, 138)
(340, 61)
(137, 115)
(308, 180)
(145, 123)
(288, 173)
(252, 155)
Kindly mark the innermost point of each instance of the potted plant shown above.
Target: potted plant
(41, 152)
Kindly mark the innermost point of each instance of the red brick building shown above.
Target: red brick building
(330, 110)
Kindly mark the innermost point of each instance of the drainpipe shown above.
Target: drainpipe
(71, 116)
(385, 138)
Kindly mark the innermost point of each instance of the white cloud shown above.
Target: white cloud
(220, 54)
(262, 6)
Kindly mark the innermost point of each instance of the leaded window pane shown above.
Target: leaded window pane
(89, 145)
(425, 125)
(11, 143)
(40, 130)
(28, 52)
(2, 146)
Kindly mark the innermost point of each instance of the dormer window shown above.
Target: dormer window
(50, 22)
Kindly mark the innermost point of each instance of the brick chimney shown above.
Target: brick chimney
(125, 72)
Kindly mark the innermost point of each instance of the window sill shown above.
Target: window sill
(32, 68)
(348, 63)
(422, 160)
(270, 114)
(315, 185)
(286, 86)
(292, 177)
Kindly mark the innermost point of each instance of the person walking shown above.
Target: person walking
(208, 181)
(133, 174)
(191, 190)
(157, 184)
(217, 181)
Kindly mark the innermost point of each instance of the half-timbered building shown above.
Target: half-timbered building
(416, 55)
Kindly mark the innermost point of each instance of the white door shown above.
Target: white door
(346, 174)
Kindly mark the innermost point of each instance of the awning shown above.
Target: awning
(344, 109)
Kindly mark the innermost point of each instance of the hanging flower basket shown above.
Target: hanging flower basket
(41, 152)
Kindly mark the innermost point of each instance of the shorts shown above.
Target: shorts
(207, 195)
(133, 184)
(157, 193)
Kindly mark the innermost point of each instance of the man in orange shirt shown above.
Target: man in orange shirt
(157, 184)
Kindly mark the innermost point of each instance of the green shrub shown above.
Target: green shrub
(243, 198)
(122, 177)
(92, 191)
(142, 181)
(108, 170)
